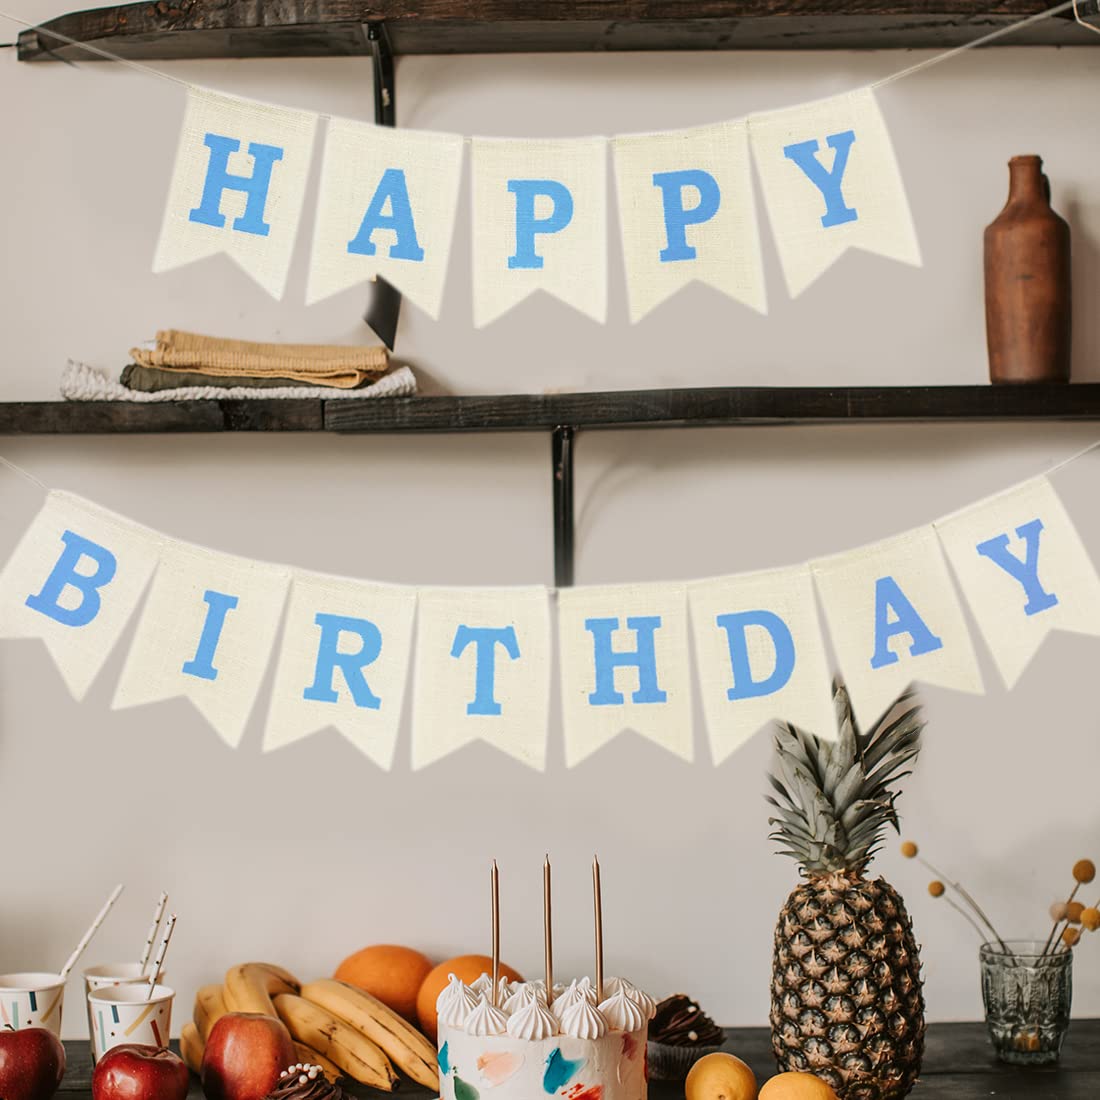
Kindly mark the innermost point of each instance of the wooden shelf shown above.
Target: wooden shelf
(677, 408)
(179, 29)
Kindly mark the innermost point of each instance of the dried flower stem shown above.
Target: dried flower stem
(1052, 939)
(974, 924)
(965, 895)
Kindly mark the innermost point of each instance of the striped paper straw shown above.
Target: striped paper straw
(64, 973)
(158, 915)
(162, 950)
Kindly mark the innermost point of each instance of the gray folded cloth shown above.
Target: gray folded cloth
(153, 380)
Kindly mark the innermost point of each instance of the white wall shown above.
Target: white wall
(306, 854)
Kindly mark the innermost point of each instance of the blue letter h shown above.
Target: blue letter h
(219, 179)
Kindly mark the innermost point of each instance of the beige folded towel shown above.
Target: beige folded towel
(322, 365)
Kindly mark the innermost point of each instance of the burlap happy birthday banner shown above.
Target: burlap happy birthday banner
(482, 658)
(388, 199)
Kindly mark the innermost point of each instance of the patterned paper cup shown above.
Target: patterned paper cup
(121, 1014)
(32, 1000)
(105, 976)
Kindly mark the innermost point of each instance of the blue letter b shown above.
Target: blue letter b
(64, 575)
(219, 179)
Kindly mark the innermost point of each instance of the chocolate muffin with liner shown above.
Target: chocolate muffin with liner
(305, 1082)
(679, 1035)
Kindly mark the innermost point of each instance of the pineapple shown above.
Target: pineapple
(846, 999)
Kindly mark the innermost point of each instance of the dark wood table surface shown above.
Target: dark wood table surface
(958, 1065)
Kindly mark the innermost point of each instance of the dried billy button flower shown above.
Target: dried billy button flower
(937, 888)
(1058, 912)
(909, 849)
(1074, 909)
(1070, 937)
(1090, 919)
(1084, 870)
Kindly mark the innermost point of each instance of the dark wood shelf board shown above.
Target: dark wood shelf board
(179, 29)
(675, 408)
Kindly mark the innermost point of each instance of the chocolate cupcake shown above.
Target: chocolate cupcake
(305, 1082)
(679, 1035)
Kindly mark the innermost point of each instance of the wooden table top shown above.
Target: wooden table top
(958, 1065)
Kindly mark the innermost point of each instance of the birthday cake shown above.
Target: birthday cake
(526, 1045)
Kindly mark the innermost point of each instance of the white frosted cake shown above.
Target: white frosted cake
(524, 1050)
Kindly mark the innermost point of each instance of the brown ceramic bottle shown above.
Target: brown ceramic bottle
(1027, 282)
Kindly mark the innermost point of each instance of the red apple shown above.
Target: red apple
(32, 1063)
(136, 1072)
(245, 1053)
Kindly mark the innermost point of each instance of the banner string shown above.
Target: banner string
(920, 66)
(24, 473)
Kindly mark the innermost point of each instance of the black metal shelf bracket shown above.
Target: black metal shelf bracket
(384, 306)
(563, 441)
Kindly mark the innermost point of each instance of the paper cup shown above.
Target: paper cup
(122, 1014)
(105, 976)
(32, 1000)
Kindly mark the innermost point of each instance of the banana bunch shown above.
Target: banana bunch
(334, 1025)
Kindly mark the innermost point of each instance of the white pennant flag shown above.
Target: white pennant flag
(687, 214)
(73, 581)
(482, 673)
(624, 666)
(205, 633)
(539, 223)
(387, 207)
(343, 663)
(760, 656)
(895, 618)
(1024, 571)
(237, 187)
(831, 182)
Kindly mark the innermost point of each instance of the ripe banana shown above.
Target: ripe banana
(209, 1009)
(405, 1046)
(341, 1043)
(250, 987)
(308, 1056)
(191, 1047)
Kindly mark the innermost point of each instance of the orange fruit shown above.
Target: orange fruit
(392, 974)
(796, 1086)
(720, 1076)
(467, 967)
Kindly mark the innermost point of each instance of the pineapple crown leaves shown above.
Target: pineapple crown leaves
(833, 799)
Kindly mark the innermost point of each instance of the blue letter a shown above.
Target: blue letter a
(804, 154)
(219, 179)
(64, 575)
(894, 614)
(393, 190)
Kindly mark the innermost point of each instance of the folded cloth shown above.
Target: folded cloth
(316, 364)
(154, 379)
(80, 382)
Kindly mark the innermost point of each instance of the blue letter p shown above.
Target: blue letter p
(528, 226)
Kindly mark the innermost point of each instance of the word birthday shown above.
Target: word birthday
(482, 657)
(388, 202)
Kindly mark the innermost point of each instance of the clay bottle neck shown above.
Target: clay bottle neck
(1026, 182)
